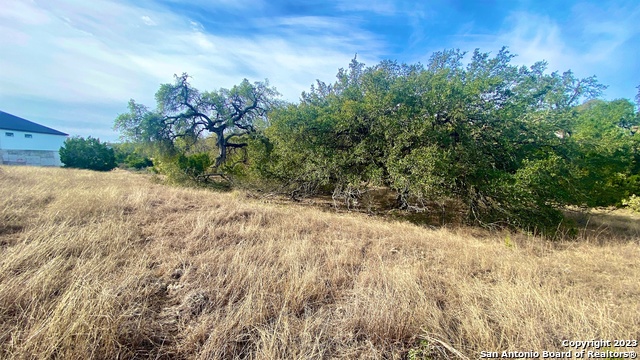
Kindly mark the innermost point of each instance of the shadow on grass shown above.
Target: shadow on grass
(603, 225)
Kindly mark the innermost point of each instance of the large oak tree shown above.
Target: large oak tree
(489, 134)
(184, 112)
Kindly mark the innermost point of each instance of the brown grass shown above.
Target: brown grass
(112, 266)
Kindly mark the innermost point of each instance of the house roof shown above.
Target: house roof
(12, 122)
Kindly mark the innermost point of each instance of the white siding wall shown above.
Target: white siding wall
(37, 141)
(32, 149)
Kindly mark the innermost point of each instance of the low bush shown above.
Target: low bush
(89, 153)
(632, 203)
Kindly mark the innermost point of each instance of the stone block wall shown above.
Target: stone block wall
(30, 157)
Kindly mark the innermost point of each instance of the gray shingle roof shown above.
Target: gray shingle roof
(12, 122)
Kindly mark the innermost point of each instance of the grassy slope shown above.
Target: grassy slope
(113, 266)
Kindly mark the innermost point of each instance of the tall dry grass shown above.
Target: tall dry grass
(113, 266)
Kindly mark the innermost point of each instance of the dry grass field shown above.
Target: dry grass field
(114, 266)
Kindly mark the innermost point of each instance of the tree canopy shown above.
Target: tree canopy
(183, 112)
(510, 144)
(503, 140)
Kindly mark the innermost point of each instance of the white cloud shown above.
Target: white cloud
(196, 26)
(23, 13)
(66, 53)
(592, 42)
(535, 38)
(202, 41)
(148, 21)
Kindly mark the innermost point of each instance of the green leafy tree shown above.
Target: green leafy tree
(511, 145)
(88, 153)
(606, 151)
(489, 134)
(185, 115)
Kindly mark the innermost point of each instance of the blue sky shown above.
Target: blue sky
(73, 64)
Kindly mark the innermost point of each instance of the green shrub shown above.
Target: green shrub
(194, 165)
(137, 162)
(88, 153)
(632, 203)
(183, 169)
(132, 156)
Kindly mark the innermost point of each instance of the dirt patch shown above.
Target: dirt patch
(8, 229)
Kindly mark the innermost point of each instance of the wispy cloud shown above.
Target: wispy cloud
(148, 21)
(593, 41)
(77, 63)
(111, 51)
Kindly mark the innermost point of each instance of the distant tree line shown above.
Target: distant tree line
(512, 145)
